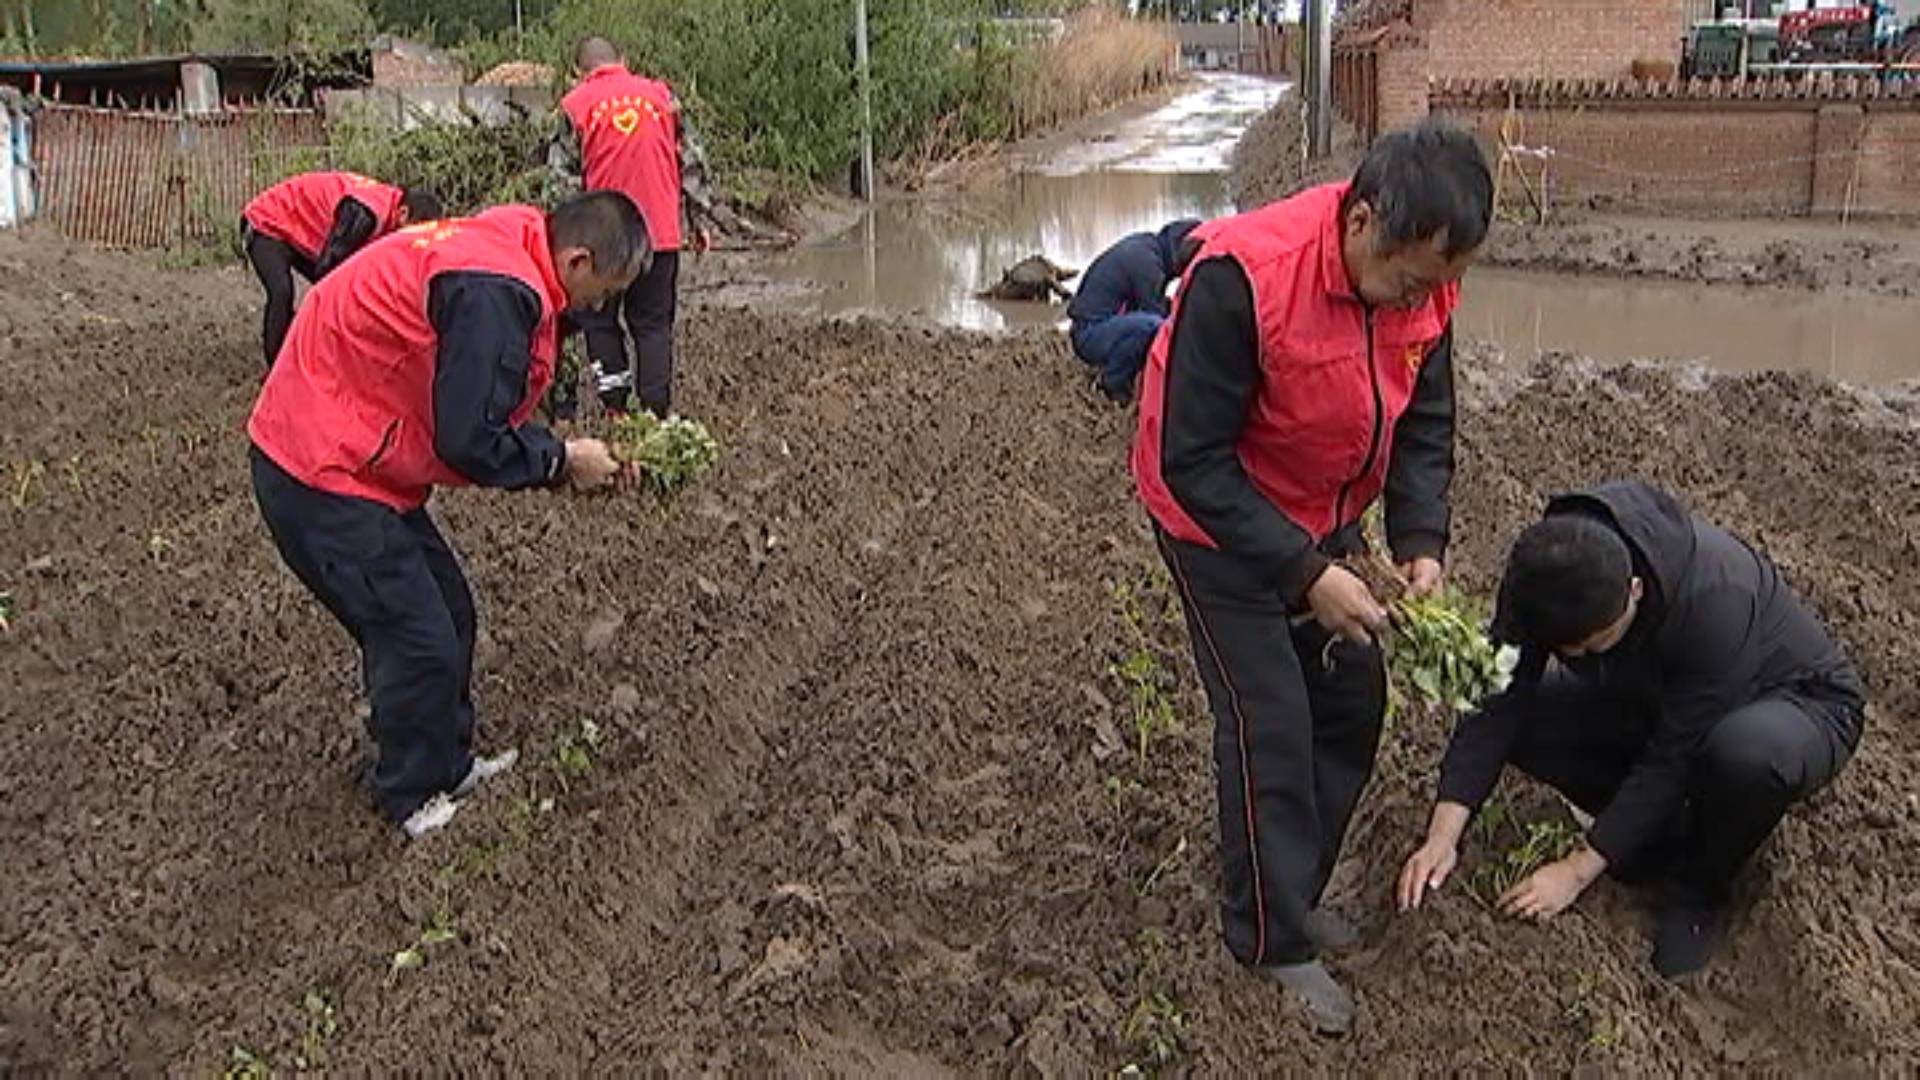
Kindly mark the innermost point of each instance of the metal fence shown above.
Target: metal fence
(151, 179)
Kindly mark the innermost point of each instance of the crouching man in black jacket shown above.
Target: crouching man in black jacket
(1669, 684)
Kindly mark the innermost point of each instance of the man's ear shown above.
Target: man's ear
(1636, 589)
(1357, 217)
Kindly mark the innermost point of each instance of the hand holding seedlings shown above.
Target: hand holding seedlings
(1343, 604)
(590, 465)
(1422, 576)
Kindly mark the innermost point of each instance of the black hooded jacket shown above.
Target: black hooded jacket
(1717, 629)
(1132, 275)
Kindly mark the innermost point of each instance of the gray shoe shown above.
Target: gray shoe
(1329, 932)
(1329, 1005)
(485, 768)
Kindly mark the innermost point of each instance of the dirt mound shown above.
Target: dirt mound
(1269, 162)
(832, 764)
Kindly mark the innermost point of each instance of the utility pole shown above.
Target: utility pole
(1317, 24)
(864, 72)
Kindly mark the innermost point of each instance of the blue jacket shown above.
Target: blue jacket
(1132, 275)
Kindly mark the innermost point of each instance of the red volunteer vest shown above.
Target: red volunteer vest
(630, 141)
(348, 406)
(1334, 380)
(300, 209)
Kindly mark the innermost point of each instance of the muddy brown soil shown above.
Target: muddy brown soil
(867, 797)
(1872, 258)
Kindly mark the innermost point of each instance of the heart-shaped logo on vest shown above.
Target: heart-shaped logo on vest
(626, 120)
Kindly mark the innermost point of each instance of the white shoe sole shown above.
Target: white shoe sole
(434, 815)
(485, 768)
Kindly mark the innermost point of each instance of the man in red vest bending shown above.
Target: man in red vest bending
(1306, 369)
(311, 223)
(631, 137)
(417, 366)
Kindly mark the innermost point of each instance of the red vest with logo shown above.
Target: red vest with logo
(348, 406)
(629, 131)
(300, 209)
(1334, 376)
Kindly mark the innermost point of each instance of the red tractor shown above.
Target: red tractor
(1862, 34)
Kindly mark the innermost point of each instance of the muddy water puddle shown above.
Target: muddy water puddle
(930, 257)
(1856, 338)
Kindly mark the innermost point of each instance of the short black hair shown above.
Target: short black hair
(606, 223)
(594, 51)
(1567, 577)
(1423, 181)
(423, 204)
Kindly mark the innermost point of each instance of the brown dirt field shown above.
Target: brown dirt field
(867, 800)
(1870, 258)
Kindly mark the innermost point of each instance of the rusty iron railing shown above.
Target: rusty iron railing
(160, 179)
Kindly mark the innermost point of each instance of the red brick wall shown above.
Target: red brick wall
(1721, 157)
(1889, 180)
(1403, 74)
(1563, 39)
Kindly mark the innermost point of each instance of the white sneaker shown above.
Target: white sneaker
(435, 813)
(485, 768)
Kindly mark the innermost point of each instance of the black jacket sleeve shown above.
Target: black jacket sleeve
(1421, 471)
(1213, 374)
(1712, 661)
(485, 323)
(1482, 741)
(353, 226)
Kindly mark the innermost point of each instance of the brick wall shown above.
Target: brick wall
(1701, 155)
(1889, 177)
(1590, 39)
(1403, 78)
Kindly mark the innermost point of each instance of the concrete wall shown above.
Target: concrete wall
(410, 107)
(1587, 39)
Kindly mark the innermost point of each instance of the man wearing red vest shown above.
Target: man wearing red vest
(311, 223)
(1306, 369)
(416, 366)
(632, 137)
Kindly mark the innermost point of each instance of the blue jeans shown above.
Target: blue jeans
(1117, 346)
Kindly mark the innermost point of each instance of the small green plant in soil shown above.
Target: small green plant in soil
(1152, 711)
(76, 480)
(670, 454)
(1587, 1013)
(6, 611)
(573, 752)
(25, 475)
(323, 1021)
(247, 1064)
(1154, 1032)
(1164, 867)
(1540, 843)
(1147, 681)
(438, 931)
